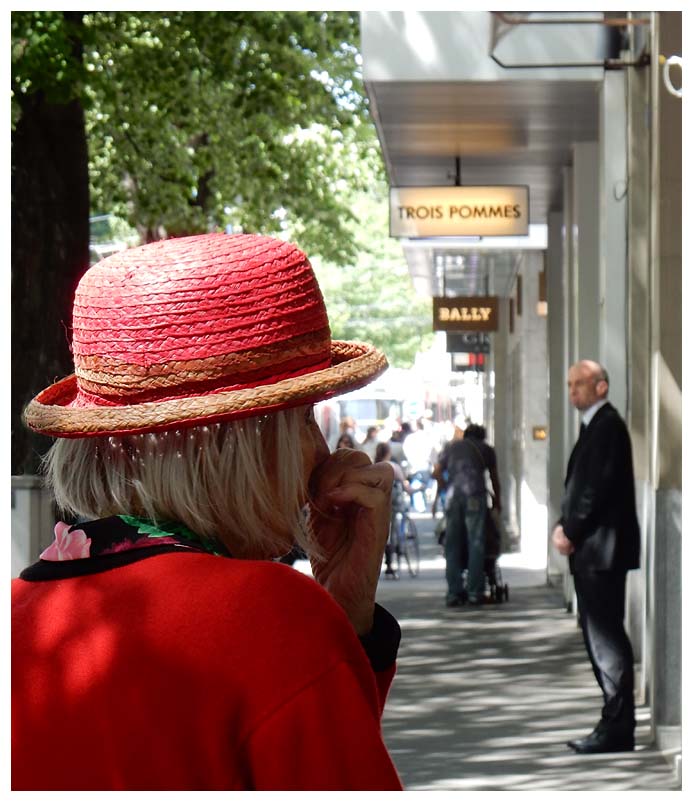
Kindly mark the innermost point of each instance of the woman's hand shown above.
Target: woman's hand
(350, 516)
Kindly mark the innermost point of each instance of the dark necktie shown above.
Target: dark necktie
(582, 430)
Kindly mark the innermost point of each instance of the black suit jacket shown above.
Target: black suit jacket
(598, 507)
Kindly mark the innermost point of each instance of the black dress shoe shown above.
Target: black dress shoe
(602, 741)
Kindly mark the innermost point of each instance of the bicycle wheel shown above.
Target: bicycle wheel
(410, 543)
(392, 549)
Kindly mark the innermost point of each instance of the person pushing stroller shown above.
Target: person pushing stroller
(466, 461)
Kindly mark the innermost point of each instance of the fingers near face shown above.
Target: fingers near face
(348, 467)
(381, 476)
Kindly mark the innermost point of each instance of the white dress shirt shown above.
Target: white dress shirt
(588, 414)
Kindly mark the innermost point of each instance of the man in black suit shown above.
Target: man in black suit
(598, 531)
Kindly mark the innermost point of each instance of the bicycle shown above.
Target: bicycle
(406, 543)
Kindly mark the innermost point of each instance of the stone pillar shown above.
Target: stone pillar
(585, 248)
(532, 330)
(666, 261)
(613, 170)
(615, 347)
(558, 448)
(503, 413)
(639, 398)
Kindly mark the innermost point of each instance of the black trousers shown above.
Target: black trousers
(601, 597)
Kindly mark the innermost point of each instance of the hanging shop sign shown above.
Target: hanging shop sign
(474, 313)
(469, 211)
(468, 342)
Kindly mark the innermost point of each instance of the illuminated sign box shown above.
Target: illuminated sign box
(471, 362)
(468, 342)
(469, 211)
(474, 313)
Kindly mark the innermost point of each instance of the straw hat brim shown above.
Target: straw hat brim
(51, 413)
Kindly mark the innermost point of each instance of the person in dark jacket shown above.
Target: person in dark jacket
(598, 531)
(466, 462)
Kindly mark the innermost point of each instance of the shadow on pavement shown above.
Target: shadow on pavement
(486, 698)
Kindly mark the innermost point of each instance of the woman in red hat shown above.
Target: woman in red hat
(158, 643)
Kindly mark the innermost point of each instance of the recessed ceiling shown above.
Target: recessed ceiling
(505, 123)
(502, 132)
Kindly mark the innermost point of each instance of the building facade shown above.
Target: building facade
(584, 109)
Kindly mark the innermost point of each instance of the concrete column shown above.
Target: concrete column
(558, 368)
(639, 398)
(488, 376)
(583, 280)
(516, 385)
(585, 246)
(503, 414)
(666, 281)
(613, 172)
(615, 346)
(533, 485)
(570, 311)
(570, 318)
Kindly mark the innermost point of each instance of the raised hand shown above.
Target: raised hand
(350, 519)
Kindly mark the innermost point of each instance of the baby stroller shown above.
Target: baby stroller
(498, 590)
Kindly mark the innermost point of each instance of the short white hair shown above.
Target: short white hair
(241, 482)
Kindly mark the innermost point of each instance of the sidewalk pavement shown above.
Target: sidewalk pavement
(486, 698)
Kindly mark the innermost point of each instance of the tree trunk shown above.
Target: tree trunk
(50, 251)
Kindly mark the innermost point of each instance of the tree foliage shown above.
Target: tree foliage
(196, 121)
(373, 299)
(252, 120)
(46, 58)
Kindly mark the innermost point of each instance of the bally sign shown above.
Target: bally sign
(476, 313)
(459, 211)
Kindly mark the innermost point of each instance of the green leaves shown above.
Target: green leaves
(195, 120)
(373, 299)
(46, 57)
(201, 120)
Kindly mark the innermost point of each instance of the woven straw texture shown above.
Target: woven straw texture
(194, 330)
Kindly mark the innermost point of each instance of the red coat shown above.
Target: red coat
(186, 671)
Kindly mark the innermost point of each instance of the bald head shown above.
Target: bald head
(588, 382)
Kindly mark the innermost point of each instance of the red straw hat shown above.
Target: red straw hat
(197, 330)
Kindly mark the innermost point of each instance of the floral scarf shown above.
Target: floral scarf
(92, 546)
(105, 536)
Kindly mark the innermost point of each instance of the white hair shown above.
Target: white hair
(241, 482)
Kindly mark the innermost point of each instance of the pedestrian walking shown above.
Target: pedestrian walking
(370, 443)
(346, 441)
(420, 454)
(399, 503)
(467, 462)
(598, 531)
